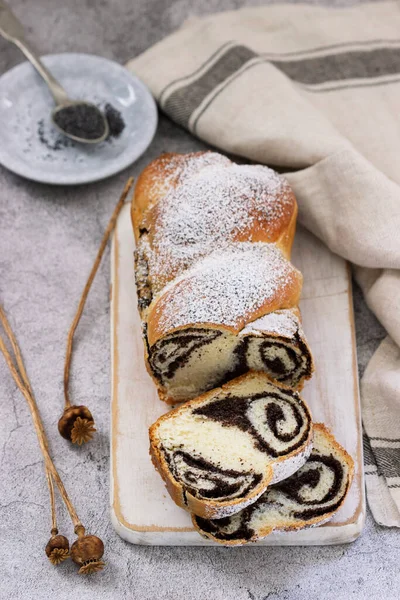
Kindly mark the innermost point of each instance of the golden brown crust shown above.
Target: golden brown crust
(149, 188)
(175, 490)
(154, 182)
(283, 526)
(263, 229)
(286, 237)
(212, 509)
(167, 172)
(285, 297)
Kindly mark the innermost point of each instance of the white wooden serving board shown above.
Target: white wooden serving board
(142, 511)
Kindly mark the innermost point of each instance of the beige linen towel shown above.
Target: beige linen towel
(317, 91)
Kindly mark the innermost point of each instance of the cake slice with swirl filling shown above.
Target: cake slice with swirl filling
(218, 453)
(310, 497)
(192, 360)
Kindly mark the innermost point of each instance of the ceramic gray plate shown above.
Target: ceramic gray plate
(31, 147)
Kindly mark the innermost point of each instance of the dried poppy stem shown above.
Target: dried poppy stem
(21, 379)
(77, 423)
(26, 390)
(54, 528)
(57, 548)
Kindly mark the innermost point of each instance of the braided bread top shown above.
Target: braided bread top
(213, 239)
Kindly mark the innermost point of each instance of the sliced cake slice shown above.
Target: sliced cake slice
(218, 453)
(190, 361)
(310, 497)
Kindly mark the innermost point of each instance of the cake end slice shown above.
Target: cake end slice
(310, 497)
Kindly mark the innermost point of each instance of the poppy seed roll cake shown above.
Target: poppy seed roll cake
(216, 291)
(309, 497)
(219, 452)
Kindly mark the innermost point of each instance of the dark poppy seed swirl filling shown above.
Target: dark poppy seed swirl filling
(222, 447)
(172, 353)
(276, 421)
(314, 492)
(202, 478)
(194, 360)
(287, 361)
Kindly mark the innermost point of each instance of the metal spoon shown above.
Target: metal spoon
(12, 30)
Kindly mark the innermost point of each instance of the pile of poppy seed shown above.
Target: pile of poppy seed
(82, 122)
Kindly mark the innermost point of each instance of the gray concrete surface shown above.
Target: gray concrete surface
(48, 238)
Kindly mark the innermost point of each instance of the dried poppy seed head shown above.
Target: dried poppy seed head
(86, 552)
(77, 425)
(57, 549)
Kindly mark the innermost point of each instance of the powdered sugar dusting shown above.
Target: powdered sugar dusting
(171, 170)
(284, 323)
(227, 287)
(216, 203)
